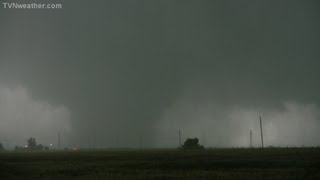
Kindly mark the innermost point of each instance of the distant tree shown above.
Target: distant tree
(39, 147)
(1, 147)
(192, 143)
(17, 148)
(20, 148)
(32, 144)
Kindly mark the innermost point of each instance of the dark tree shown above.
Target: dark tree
(40, 147)
(32, 144)
(192, 143)
(1, 147)
(17, 148)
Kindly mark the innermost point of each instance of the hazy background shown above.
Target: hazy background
(105, 73)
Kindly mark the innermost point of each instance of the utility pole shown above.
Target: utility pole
(261, 131)
(116, 142)
(140, 143)
(94, 141)
(89, 141)
(59, 140)
(250, 138)
(180, 138)
(203, 138)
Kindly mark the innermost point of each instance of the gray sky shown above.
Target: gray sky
(117, 70)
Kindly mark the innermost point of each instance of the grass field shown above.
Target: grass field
(270, 163)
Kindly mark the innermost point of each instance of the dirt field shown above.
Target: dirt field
(271, 163)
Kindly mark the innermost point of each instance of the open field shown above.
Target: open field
(271, 163)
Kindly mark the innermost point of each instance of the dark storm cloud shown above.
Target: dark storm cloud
(119, 66)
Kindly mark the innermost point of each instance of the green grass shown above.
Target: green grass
(271, 163)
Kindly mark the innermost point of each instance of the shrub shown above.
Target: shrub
(192, 143)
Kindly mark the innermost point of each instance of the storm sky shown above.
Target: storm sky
(105, 73)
